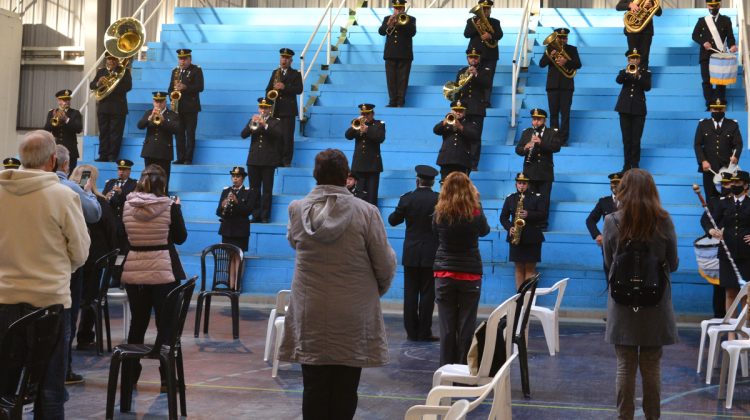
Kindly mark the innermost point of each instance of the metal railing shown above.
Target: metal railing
(520, 55)
(744, 51)
(305, 71)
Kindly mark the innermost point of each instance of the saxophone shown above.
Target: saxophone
(518, 223)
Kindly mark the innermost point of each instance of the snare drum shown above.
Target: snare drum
(722, 68)
(706, 254)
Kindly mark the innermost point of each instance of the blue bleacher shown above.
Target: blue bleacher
(238, 47)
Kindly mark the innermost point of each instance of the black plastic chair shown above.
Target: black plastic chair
(167, 349)
(227, 281)
(25, 350)
(104, 268)
(525, 298)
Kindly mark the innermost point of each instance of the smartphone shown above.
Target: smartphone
(173, 197)
(84, 178)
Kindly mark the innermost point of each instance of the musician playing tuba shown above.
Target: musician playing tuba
(484, 33)
(398, 29)
(562, 62)
(639, 25)
(522, 214)
(112, 109)
(65, 123)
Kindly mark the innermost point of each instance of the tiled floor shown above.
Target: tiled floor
(227, 379)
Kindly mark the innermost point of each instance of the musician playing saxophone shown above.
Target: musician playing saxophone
(473, 96)
(65, 123)
(528, 252)
(186, 78)
(560, 87)
(639, 40)
(459, 137)
(398, 53)
(288, 83)
(485, 42)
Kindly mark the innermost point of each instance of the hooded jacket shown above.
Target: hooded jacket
(343, 265)
(43, 238)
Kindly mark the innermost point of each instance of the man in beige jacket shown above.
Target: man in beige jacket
(44, 238)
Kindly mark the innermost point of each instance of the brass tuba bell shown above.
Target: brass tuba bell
(122, 40)
(636, 21)
(553, 43)
(482, 24)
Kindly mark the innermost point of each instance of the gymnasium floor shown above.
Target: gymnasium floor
(227, 379)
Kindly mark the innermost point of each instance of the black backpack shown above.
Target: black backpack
(474, 358)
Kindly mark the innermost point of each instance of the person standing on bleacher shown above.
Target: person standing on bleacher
(560, 83)
(397, 52)
(631, 105)
(287, 82)
(161, 124)
(485, 41)
(718, 144)
(367, 163)
(186, 78)
(112, 109)
(640, 40)
(713, 33)
(474, 97)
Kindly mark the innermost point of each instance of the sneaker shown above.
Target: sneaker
(73, 378)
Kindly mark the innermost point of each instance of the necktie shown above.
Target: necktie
(283, 72)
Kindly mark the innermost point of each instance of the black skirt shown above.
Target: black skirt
(525, 253)
(727, 278)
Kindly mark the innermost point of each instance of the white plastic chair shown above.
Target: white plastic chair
(728, 319)
(714, 337)
(457, 411)
(550, 317)
(732, 350)
(278, 325)
(281, 303)
(458, 373)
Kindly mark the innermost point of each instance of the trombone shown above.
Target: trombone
(401, 20)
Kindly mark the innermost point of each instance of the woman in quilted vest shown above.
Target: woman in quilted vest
(154, 224)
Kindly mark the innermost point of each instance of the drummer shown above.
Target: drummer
(718, 292)
(703, 34)
(718, 144)
(732, 216)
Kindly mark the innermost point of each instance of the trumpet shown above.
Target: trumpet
(357, 123)
(401, 20)
(255, 123)
(57, 116)
(450, 118)
(156, 117)
(631, 69)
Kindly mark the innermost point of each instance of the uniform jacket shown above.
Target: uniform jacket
(265, 143)
(716, 146)
(65, 132)
(712, 202)
(456, 147)
(735, 220)
(192, 78)
(458, 244)
(343, 265)
(420, 242)
(555, 78)
(235, 222)
(472, 96)
(605, 205)
(539, 164)
(652, 325)
(475, 40)
(367, 147)
(701, 34)
(398, 45)
(115, 103)
(286, 103)
(116, 203)
(158, 143)
(632, 99)
(103, 233)
(534, 205)
(622, 5)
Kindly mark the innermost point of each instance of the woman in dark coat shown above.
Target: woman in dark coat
(458, 222)
(638, 336)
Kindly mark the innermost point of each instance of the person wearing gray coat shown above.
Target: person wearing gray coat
(344, 264)
(638, 336)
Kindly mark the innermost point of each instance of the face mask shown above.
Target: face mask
(717, 116)
(738, 189)
(714, 12)
(724, 190)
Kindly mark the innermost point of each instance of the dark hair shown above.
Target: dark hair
(641, 213)
(424, 182)
(331, 167)
(153, 180)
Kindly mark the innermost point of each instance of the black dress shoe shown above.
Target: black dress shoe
(86, 345)
(431, 338)
(73, 378)
(391, 105)
(265, 221)
(177, 162)
(101, 159)
(187, 162)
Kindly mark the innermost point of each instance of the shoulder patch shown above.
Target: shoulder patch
(509, 195)
(554, 129)
(537, 194)
(382, 122)
(722, 197)
(734, 121)
(226, 188)
(487, 68)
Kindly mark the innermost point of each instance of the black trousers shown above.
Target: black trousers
(560, 101)
(397, 77)
(641, 42)
(544, 188)
(287, 128)
(492, 65)
(261, 188)
(185, 137)
(368, 183)
(719, 302)
(111, 127)
(709, 92)
(475, 150)
(457, 302)
(90, 291)
(632, 130)
(419, 301)
(446, 170)
(165, 164)
(330, 392)
(708, 185)
(239, 242)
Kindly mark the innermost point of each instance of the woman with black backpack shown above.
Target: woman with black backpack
(640, 247)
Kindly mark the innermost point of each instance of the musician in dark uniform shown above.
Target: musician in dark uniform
(605, 206)
(718, 296)
(460, 136)
(11, 163)
(116, 191)
(560, 87)
(288, 83)
(631, 104)
(367, 163)
(351, 185)
(538, 144)
(528, 251)
(161, 124)
(732, 216)
(397, 52)
(111, 110)
(234, 210)
(480, 38)
(718, 143)
(186, 78)
(420, 244)
(265, 154)
(473, 97)
(65, 123)
(641, 40)
(703, 36)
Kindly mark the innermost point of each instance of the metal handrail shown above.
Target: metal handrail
(520, 55)
(744, 50)
(326, 39)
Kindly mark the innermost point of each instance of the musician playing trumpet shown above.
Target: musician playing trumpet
(65, 123)
(640, 40)
(397, 52)
(161, 124)
(485, 42)
(474, 97)
(631, 105)
(460, 136)
(560, 87)
(367, 133)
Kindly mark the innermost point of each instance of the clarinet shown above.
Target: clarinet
(538, 133)
(118, 184)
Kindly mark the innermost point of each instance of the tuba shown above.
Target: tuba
(451, 88)
(518, 223)
(636, 21)
(123, 39)
(482, 24)
(553, 44)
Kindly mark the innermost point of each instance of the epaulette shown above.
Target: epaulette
(405, 194)
(226, 188)
(722, 197)
(735, 121)
(554, 129)
(381, 121)
(52, 109)
(704, 119)
(487, 68)
(509, 195)
(538, 195)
